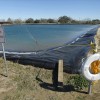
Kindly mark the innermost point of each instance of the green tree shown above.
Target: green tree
(37, 21)
(96, 21)
(64, 19)
(29, 20)
(50, 20)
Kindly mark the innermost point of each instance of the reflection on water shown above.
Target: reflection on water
(41, 37)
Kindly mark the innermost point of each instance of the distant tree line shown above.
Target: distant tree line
(60, 20)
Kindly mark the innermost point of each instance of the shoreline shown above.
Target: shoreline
(49, 24)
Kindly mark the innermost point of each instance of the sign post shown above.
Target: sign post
(2, 41)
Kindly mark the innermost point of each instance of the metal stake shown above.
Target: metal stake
(90, 88)
(2, 41)
(5, 64)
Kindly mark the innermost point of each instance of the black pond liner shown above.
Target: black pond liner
(71, 55)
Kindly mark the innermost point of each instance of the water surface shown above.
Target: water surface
(25, 38)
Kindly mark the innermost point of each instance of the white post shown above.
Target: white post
(5, 64)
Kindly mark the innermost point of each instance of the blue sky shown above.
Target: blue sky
(36, 9)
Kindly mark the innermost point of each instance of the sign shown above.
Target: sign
(2, 40)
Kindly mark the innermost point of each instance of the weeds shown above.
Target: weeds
(78, 82)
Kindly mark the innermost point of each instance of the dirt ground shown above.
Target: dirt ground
(26, 82)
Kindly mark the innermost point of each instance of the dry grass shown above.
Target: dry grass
(33, 83)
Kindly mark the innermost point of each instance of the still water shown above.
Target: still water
(30, 38)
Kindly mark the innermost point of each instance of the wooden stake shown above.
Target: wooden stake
(60, 73)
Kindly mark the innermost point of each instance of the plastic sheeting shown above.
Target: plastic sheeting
(72, 54)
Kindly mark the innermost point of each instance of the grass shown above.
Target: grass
(80, 98)
(21, 80)
(24, 83)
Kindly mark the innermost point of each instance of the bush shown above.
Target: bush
(78, 82)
